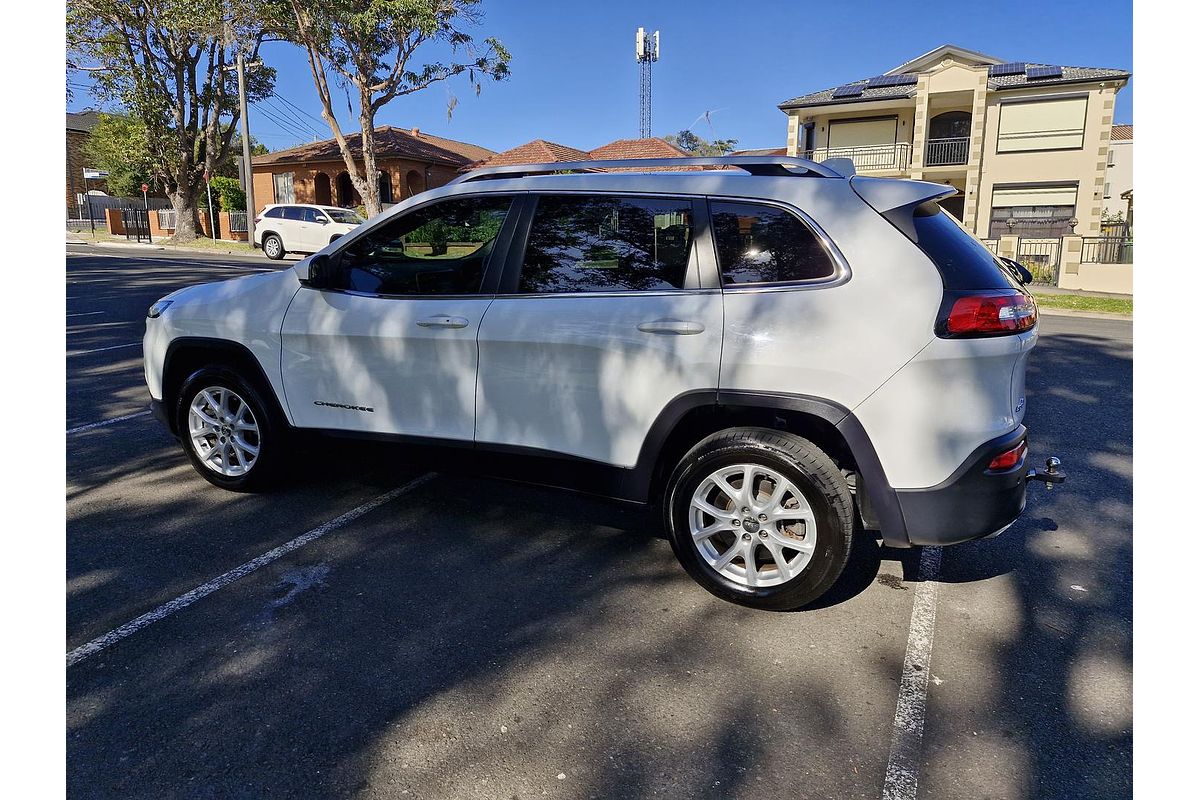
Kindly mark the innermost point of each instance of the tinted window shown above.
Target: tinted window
(961, 258)
(343, 215)
(438, 249)
(312, 215)
(274, 213)
(292, 212)
(762, 244)
(607, 244)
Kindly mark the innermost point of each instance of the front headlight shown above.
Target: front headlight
(158, 308)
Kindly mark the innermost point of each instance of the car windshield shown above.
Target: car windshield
(343, 215)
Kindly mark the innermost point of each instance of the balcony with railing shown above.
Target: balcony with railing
(867, 158)
(951, 152)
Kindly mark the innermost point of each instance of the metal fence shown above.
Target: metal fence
(237, 222)
(1040, 257)
(991, 244)
(869, 158)
(1107, 250)
(166, 219)
(137, 223)
(93, 206)
(947, 152)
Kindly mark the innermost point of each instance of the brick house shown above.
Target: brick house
(79, 127)
(409, 160)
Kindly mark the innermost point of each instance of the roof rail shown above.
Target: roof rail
(755, 165)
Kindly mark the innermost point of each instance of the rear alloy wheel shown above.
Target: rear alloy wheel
(760, 517)
(273, 246)
(228, 430)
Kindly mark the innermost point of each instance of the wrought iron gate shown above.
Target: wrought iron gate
(137, 223)
(1040, 257)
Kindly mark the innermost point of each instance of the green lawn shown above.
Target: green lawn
(1078, 302)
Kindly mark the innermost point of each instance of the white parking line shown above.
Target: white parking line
(908, 727)
(205, 589)
(85, 313)
(102, 349)
(104, 422)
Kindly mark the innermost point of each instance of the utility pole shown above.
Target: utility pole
(247, 170)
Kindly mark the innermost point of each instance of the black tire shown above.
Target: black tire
(811, 471)
(271, 438)
(272, 247)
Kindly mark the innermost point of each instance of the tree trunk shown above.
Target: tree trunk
(369, 186)
(185, 216)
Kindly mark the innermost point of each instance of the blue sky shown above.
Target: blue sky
(574, 79)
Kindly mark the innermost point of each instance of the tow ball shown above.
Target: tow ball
(1053, 473)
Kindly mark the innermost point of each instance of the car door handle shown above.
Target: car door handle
(671, 326)
(444, 322)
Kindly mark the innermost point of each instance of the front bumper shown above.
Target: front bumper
(973, 503)
(158, 410)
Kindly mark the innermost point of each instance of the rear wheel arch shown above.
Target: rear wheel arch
(187, 355)
(830, 426)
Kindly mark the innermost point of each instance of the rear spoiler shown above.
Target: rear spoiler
(896, 199)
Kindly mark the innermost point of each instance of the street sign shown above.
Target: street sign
(145, 188)
(94, 174)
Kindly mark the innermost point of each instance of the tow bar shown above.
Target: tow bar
(1051, 476)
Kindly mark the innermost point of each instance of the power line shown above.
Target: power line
(291, 116)
(317, 120)
(283, 125)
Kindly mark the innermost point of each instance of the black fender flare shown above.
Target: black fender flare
(884, 502)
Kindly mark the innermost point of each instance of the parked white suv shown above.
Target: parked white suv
(284, 228)
(770, 353)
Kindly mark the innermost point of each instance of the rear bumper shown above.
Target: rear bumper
(973, 503)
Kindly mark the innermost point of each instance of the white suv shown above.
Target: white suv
(772, 351)
(296, 228)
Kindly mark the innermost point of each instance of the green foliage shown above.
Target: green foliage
(119, 145)
(695, 145)
(374, 48)
(227, 194)
(167, 62)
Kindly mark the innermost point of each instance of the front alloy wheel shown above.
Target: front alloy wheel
(223, 431)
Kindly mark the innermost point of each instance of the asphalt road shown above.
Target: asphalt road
(476, 638)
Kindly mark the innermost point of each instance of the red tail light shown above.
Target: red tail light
(1009, 458)
(988, 314)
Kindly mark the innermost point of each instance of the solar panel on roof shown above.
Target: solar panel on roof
(1034, 73)
(1011, 68)
(880, 81)
(848, 91)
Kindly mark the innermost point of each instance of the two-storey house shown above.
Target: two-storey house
(1026, 145)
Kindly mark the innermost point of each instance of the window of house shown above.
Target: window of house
(284, 192)
(1036, 211)
(438, 249)
(1055, 124)
(581, 243)
(764, 244)
(1107, 190)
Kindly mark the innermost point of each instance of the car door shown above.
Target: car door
(390, 345)
(601, 322)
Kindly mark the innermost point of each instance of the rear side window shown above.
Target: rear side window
(580, 243)
(961, 258)
(764, 244)
(275, 213)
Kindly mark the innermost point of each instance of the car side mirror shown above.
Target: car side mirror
(322, 221)
(320, 272)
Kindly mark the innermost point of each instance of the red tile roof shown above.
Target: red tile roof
(390, 142)
(539, 151)
(638, 148)
(1122, 133)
